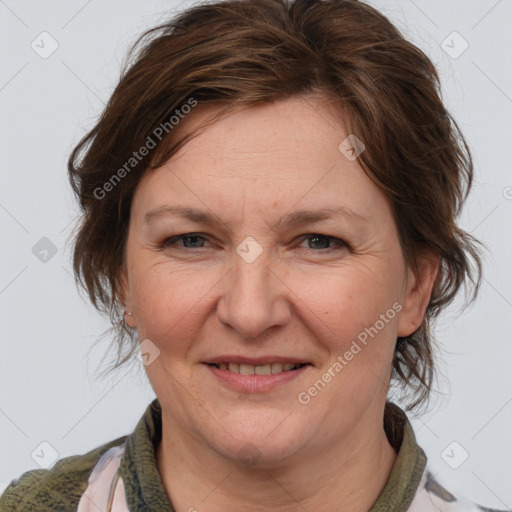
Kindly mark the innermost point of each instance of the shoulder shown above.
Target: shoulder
(432, 496)
(58, 488)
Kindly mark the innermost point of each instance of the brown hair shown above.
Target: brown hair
(239, 53)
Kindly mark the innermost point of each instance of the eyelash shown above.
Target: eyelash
(169, 242)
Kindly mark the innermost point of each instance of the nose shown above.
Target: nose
(254, 297)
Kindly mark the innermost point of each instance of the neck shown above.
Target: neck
(354, 473)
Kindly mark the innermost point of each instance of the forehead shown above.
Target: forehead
(284, 128)
(267, 157)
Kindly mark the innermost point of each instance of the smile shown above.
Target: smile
(266, 369)
(246, 378)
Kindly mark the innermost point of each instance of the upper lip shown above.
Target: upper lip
(255, 361)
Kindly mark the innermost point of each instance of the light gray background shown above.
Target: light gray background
(47, 391)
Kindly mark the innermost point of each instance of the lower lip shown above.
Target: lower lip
(255, 383)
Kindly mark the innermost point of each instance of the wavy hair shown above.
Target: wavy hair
(239, 53)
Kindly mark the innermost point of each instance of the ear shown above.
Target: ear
(124, 298)
(418, 290)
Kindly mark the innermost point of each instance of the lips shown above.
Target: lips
(255, 361)
(264, 369)
(260, 378)
(264, 365)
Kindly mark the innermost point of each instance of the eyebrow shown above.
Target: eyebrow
(295, 218)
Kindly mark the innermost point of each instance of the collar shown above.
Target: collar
(405, 477)
(145, 490)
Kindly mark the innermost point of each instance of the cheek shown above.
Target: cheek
(353, 299)
(335, 305)
(168, 304)
(360, 335)
(358, 311)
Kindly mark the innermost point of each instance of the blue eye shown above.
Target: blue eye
(317, 236)
(189, 236)
(194, 241)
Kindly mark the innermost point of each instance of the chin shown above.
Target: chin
(256, 455)
(258, 444)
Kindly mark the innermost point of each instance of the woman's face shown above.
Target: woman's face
(256, 287)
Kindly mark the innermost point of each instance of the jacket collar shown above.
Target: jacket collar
(145, 490)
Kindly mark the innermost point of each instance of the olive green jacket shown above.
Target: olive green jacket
(122, 476)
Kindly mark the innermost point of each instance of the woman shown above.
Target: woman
(242, 135)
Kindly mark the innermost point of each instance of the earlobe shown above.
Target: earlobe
(418, 292)
(124, 299)
(129, 319)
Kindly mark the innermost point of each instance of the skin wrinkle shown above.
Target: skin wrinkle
(288, 301)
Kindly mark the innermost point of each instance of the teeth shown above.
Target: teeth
(277, 367)
(246, 369)
(263, 370)
(266, 369)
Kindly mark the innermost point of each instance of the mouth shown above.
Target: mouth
(262, 377)
(263, 369)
